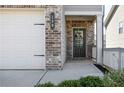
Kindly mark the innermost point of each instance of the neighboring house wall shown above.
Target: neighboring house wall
(113, 38)
(111, 58)
(114, 58)
(114, 51)
(82, 22)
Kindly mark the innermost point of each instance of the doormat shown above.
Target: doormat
(101, 68)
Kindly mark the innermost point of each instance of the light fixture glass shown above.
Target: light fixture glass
(52, 20)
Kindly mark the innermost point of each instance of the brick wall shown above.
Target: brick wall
(53, 38)
(22, 6)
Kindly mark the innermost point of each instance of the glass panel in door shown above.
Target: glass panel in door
(78, 42)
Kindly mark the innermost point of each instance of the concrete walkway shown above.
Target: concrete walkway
(28, 78)
(72, 70)
(20, 78)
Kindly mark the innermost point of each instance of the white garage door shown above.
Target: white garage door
(22, 39)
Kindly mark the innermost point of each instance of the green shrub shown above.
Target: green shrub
(91, 81)
(48, 84)
(108, 82)
(69, 83)
(116, 78)
(113, 79)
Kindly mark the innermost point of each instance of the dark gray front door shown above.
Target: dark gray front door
(79, 42)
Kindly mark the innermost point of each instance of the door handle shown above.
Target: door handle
(38, 24)
(39, 55)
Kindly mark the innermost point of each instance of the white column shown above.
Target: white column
(99, 40)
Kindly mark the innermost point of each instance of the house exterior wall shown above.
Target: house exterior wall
(53, 38)
(55, 46)
(88, 25)
(22, 6)
(22, 43)
(113, 38)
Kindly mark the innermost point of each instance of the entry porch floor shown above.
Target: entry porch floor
(28, 78)
(73, 69)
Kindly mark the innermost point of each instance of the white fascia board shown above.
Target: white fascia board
(83, 13)
(110, 14)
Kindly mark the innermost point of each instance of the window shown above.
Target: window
(121, 25)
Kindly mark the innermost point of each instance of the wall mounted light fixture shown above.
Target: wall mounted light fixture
(52, 20)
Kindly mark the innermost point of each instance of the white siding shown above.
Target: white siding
(113, 38)
(111, 59)
(122, 59)
(114, 58)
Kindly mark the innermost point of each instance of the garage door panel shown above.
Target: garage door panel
(21, 40)
(23, 61)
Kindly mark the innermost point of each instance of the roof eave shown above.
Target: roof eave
(111, 14)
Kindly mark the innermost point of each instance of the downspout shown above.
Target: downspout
(103, 11)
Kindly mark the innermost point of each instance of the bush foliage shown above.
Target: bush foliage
(69, 83)
(48, 84)
(91, 81)
(113, 79)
